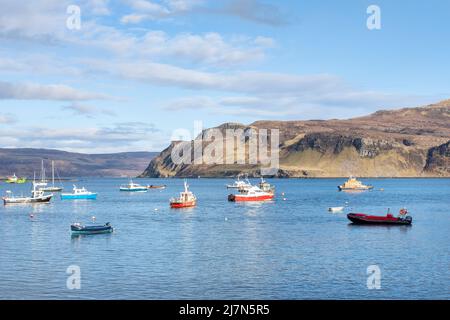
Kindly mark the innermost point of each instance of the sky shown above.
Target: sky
(123, 75)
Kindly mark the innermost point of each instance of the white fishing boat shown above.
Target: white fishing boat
(52, 188)
(37, 196)
(133, 187)
(335, 209)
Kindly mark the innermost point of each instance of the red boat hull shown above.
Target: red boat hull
(239, 198)
(177, 205)
(360, 218)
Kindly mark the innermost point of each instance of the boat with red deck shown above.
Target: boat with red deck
(185, 200)
(389, 219)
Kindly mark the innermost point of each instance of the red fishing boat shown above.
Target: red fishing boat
(185, 200)
(389, 219)
(253, 193)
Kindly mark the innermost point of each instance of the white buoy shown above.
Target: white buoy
(93, 218)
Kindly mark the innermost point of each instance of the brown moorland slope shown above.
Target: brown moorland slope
(408, 142)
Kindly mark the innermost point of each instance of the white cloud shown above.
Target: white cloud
(37, 20)
(133, 18)
(264, 42)
(244, 82)
(87, 110)
(151, 10)
(98, 7)
(192, 103)
(288, 105)
(118, 137)
(6, 118)
(209, 48)
(32, 91)
(251, 10)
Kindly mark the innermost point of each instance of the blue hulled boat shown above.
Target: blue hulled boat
(79, 194)
(77, 228)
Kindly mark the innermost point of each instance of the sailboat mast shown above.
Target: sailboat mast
(42, 171)
(53, 173)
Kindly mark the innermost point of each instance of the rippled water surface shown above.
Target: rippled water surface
(291, 248)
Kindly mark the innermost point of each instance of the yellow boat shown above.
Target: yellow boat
(15, 179)
(353, 184)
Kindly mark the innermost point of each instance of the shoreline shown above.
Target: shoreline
(2, 179)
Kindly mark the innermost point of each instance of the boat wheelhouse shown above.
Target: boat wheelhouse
(185, 200)
(266, 187)
(354, 184)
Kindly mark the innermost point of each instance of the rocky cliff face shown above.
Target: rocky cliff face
(409, 142)
(438, 160)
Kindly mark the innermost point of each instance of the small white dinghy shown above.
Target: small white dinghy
(335, 209)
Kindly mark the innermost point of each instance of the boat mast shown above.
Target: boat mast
(42, 171)
(53, 173)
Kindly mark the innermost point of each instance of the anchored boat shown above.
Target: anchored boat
(156, 187)
(15, 179)
(78, 228)
(335, 209)
(353, 184)
(52, 188)
(133, 187)
(389, 219)
(253, 193)
(78, 194)
(37, 196)
(185, 200)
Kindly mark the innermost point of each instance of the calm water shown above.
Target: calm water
(286, 249)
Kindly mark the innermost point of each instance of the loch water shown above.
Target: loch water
(289, 248)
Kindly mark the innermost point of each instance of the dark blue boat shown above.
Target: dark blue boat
(77, 228)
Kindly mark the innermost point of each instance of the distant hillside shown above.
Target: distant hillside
(409, 142)
(24, 162)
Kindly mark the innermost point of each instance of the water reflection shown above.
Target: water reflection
(403, 228)
(272, 250)
(188, 210)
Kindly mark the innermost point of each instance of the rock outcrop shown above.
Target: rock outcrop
(409, 142)
(438, 160)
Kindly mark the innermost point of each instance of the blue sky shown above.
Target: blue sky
(137, 70)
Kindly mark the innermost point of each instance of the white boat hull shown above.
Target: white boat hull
(336, 209)
(43, 199)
